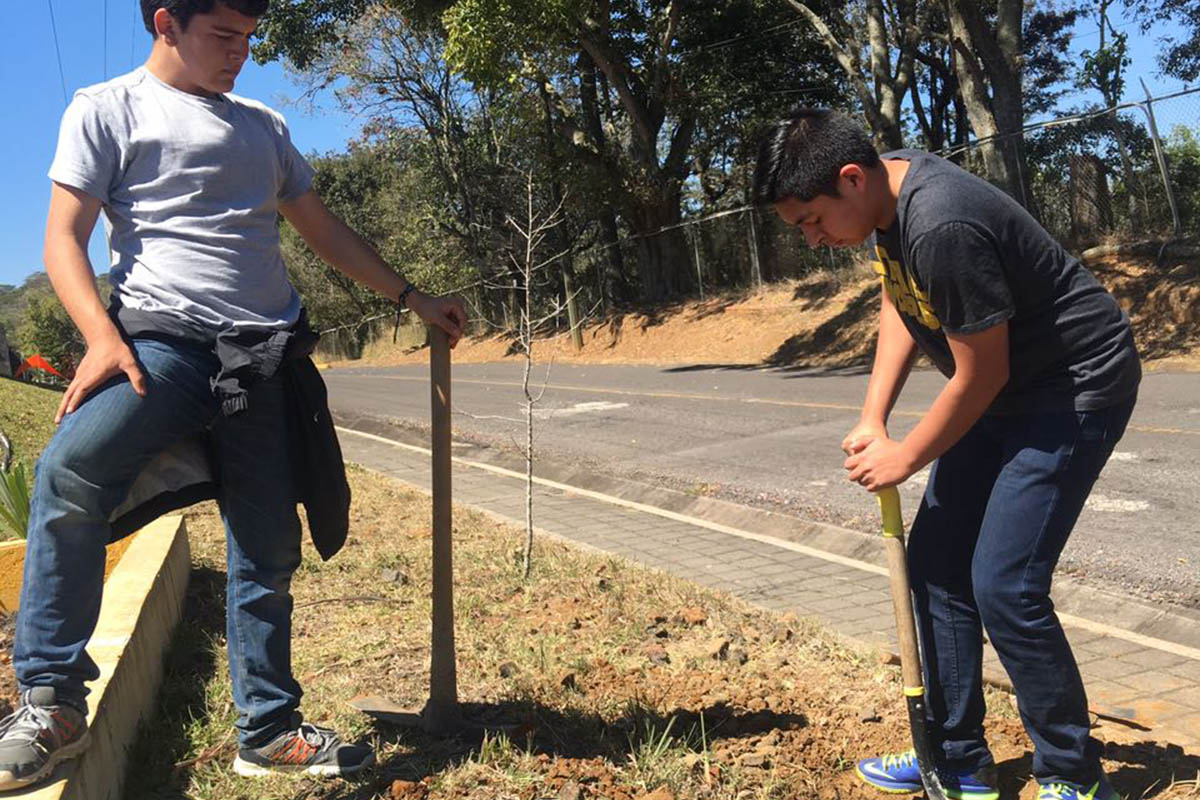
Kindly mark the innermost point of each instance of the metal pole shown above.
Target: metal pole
(1148, 107)
(695, 229)
(754, 251)
(441, 713)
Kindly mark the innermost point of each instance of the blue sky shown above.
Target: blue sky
(29, 71)
(99, 39)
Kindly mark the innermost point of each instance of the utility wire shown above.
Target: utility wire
(736, 39)
(104, 72)
(57, 52)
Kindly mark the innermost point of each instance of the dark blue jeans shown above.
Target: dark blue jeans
(84, 474)
(997, 512)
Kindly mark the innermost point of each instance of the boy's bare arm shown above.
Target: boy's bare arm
(894, 353)
(338, 245)
(981, 371)
(68, 227)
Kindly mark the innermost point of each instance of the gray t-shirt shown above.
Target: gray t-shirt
(963, 256)
(191, 188)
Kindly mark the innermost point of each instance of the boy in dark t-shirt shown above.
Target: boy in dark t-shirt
(1043, 376)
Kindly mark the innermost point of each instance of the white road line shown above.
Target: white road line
(1114, 505)
(1067, 619)
(578, 408)
(745, 400)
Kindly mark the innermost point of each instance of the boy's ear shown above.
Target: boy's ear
(853, 174)
(164, 25)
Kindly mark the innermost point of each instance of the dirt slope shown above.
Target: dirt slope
(828, 320)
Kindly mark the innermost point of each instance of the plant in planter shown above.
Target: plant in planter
(14, 492)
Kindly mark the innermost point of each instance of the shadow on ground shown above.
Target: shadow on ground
(849, 335)
(158, 766)
(539, 730)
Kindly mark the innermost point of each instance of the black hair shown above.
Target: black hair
(802, 155)
(184, 10)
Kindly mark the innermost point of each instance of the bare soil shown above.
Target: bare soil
(610, 681)
(9, 692)
(826, 320)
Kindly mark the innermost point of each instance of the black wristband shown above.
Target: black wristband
(402, 300)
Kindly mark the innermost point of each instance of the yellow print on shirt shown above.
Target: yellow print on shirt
(903, 289)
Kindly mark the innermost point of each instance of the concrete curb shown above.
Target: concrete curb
(1173, 624)
(143, 602)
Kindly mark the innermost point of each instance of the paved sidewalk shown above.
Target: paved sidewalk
(1143, 682)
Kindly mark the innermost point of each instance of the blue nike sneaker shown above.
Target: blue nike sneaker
(898, 773)
(1063, 790)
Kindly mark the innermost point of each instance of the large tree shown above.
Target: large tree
(1180, 54)
(614, 80)
(879, 69)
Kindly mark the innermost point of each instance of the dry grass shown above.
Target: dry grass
(609, 678)
(826, 319)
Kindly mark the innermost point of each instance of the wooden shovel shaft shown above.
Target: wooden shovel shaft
(906, 631)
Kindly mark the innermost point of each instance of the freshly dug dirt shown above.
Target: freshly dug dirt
(601, 680)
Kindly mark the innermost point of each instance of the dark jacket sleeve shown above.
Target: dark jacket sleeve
(318, 473)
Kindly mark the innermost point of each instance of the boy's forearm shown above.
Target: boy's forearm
(981, 372)
(350, 254)
(959, 406)
(70, 273)
(338, 245)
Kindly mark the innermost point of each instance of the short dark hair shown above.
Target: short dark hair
(184, 10)
(802, 155)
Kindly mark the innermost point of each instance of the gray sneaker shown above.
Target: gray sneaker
(37, 736)
(306, 749)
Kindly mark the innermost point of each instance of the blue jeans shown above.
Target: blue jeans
(996, 515)
(84, 474)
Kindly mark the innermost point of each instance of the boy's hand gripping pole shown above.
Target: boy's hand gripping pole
(906, 630)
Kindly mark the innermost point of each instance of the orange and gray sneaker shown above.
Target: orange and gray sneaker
(39, 735)
(305, 749)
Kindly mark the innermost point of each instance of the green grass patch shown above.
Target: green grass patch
(27, 419)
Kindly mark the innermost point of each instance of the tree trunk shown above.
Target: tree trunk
(987, 58)
(662, 256)
(613, 283)
(881, 107)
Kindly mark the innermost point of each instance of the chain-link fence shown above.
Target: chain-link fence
(1128, 172)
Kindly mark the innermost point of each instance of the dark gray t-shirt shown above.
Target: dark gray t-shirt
(962, 256)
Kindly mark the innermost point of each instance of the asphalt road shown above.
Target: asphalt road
(770, 438)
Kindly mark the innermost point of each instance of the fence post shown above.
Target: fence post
(695, 231)
(1148, 107)
(754, 264)
(441, 713)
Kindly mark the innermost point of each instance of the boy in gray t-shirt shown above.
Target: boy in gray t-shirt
(191, 180)
(1042, 378)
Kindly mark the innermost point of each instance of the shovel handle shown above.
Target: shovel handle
(906, 631)
(893, 532)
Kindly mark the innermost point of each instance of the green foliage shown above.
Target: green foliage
(300, 30)
(496, 42)
(382, 189)
(1179, 53)
(14, 500)
(49, 331)
(1182, 151)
